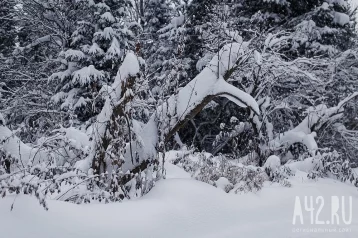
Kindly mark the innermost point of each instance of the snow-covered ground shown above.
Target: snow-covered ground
(180, 207)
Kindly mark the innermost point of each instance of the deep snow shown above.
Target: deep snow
(177, 207)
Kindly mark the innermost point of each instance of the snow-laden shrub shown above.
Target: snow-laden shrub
(276, 172)
(47, 180)
(333, 165)
(231, 176)
(53, 174)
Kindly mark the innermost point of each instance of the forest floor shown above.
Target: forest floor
(182, 207)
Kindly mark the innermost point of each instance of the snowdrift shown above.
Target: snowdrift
(178, 207)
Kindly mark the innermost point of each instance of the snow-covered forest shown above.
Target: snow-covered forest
(107, 101)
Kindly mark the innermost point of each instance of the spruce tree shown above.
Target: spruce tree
(97, 47)
(162, 47)
(312, 27)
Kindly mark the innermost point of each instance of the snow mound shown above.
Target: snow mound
(223, 183)
(272, 162)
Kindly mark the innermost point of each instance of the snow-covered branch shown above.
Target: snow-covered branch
(306, 131)
(170, 116)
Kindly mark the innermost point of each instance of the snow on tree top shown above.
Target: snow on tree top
(129, 67)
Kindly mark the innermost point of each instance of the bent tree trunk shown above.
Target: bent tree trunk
(175, 111)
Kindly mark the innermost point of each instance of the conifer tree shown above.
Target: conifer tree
(312, 27)
(97, 47)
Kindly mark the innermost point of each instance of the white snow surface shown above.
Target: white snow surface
(179, 207)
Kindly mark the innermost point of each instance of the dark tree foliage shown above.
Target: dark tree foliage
(7, 27)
